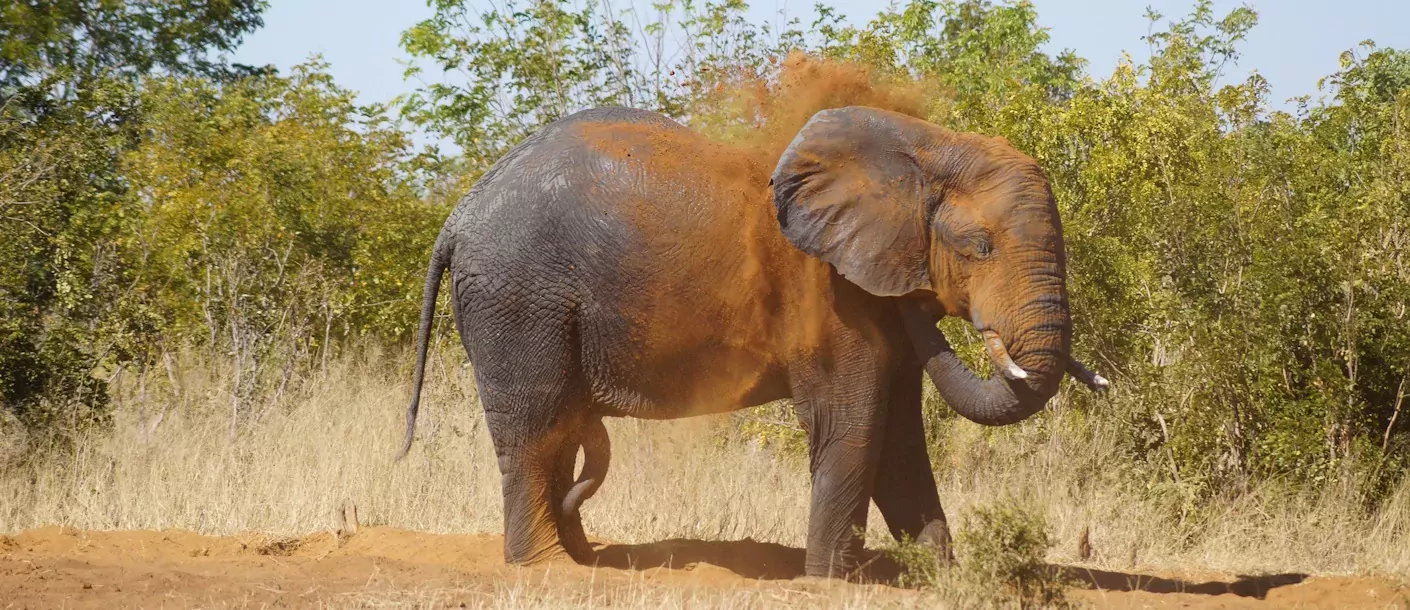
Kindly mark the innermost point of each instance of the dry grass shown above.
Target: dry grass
(538, 593)
(171, 462)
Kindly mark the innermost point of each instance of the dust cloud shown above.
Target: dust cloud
(762, 112)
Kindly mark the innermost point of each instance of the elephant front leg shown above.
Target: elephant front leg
(905, 484)
(843, 457)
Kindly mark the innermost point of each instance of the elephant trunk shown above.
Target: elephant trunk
(998, 400)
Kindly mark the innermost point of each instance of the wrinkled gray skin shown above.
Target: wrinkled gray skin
(617, 264)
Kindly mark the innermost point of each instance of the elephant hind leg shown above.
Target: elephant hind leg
(530, 522)
(538, 485)
(524, 350)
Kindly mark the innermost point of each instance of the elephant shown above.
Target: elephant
(618, 264)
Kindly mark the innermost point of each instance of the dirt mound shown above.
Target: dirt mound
(62, 567)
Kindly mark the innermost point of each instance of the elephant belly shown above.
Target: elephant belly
(662, 369)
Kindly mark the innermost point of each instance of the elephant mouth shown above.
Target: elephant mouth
(994, 346)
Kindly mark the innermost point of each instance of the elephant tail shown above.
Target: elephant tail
(597, 455)
(440, 259)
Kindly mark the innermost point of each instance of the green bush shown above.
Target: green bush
(63, 217)
(921, 565)
(69, 109)
(999, 560)
(1003, 545)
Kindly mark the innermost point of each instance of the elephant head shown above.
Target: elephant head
(957, 224)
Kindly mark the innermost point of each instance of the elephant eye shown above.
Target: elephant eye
(972, 242)
(976, 245)
(982, 247)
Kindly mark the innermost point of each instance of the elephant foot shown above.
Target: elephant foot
(551, 553)
(570, 544)
(839, 565)
(936, 535)
(840, 571)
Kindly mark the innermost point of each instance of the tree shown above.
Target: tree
(277, 216)
(62, 216)
(83, 40)
(69, 71)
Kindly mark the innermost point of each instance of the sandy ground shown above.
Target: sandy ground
(381, 567)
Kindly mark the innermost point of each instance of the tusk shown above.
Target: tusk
(1085, 375)
(1000, 355)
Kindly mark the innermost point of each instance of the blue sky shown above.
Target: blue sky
(1296, 41)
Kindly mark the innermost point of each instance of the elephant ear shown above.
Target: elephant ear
(848, 191)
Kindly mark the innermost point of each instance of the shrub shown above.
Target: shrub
(1004, 544)
(1000, 560)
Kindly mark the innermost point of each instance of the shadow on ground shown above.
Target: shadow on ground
(1243, 586)
(746, 558)
(768, 561)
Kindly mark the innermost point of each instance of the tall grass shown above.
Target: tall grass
(171, 460)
